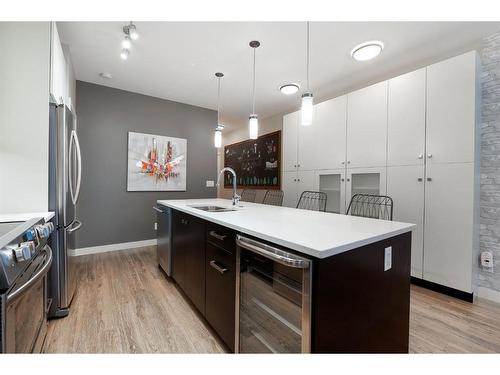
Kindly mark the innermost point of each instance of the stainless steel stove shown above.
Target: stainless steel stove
(25, 260)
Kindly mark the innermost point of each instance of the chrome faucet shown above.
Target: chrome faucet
(236, 197)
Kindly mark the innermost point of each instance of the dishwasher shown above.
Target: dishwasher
(273, 299)
(164, 237)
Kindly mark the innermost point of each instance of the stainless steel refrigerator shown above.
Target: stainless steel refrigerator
(64, 189)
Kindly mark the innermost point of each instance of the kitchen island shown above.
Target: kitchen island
(337, 284)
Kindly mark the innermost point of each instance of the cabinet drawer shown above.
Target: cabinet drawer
(221, 236)
(220, 292)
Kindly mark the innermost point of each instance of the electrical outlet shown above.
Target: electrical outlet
(210, 183)
(388, 258)
(156, 226)
(487, 261)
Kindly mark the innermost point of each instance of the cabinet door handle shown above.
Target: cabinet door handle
(220, 269)
(429, 156)
(298, 165)
(420, 156)
(429, 179)
(419, 179)
(342, 162)
(298, 179)
(214, 234)
(184, 222)
(348, 162)
(348, 179)
(342, 179)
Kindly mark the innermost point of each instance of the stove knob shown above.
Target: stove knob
(30, 235)
(23, 252)
(43, 231)
(50, 225)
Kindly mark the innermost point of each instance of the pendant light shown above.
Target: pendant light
(253, 120)
(219, 127)
(307, 97)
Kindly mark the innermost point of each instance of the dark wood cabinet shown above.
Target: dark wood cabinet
(358, 306)
(188, 257)
(220, 292)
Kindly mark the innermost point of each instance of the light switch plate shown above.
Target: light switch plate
(210, 183)
(156, 226)
(388, 258)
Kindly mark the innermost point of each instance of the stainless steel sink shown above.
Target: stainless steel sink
(213, 208)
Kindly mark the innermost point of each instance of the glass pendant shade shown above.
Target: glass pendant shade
(307, 109)
(218, 138)
(253, 126)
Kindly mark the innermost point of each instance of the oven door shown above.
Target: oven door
(26, 309)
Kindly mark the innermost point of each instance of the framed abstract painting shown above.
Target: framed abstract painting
(156, 163)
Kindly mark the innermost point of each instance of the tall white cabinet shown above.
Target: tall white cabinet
(367, 127)
(413, 137)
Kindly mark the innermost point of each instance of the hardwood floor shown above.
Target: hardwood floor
(125, 304)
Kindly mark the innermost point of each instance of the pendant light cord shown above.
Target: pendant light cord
(218, 100)
(307, 60)
(253, 102)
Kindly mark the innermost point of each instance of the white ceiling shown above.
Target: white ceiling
(177, 60)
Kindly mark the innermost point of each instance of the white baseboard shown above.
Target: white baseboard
(113, 247)
(489, 294)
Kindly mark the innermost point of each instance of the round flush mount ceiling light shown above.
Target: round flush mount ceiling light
(367, 50)
(289, 88)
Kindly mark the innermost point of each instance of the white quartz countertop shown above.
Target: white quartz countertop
(318, 234)
(7, 218)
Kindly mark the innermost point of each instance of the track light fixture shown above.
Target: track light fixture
(130, 32)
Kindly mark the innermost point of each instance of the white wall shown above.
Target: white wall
(267, 125)
(24, 116)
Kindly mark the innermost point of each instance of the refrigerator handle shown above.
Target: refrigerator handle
(70, 166)
(79, 158)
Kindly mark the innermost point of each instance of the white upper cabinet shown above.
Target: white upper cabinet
(367, 126)
(451, 109)
(307, 149)
(330, 129)
(322, 145)
(406, 119)
(58, 73)
(289, 148)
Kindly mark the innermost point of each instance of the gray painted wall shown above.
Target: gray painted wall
(109, 213)
(490, 160)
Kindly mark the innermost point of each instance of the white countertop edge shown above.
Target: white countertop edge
(24, 216)
(321, 254)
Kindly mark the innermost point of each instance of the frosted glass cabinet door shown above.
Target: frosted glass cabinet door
(451, 93)
(365, 181)
(449, 223)
(289, 148)
(405, 185)
(289, 187)
(367, 126)
(332, 183)
(406, 119)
